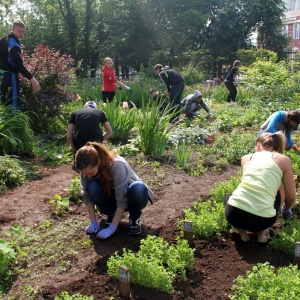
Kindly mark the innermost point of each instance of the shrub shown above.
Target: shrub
(53, 71)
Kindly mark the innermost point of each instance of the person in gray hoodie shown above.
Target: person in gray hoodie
(192, 103)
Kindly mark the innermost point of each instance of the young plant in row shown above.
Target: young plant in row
(66, 296)
(183, 155)
(287, 237)
(220, 189)
(60, 204)
(156, 264)
(264, 282)
(208, 219)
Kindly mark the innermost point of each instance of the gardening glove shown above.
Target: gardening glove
(296, 148)
(92, 228)
(195, 115)
(127, 88)
(286, 213)
(107, 232)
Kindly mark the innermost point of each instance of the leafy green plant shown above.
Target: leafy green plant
(189, 136)
(208, 219)
(226, 187)
(14, 172)
(8, 258)
(287, 237)
(60, 204)
(66, 296)
(156, 264)
(264, 282)
(74, 192)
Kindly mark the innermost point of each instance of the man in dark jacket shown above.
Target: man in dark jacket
(175, 86)
(11, 63)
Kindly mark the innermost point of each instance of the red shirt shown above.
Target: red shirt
(108, 80)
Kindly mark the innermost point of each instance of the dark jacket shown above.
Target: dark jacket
(11, 57)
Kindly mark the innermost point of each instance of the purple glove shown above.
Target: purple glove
(107, 232)
(286, 213)
(92, 228)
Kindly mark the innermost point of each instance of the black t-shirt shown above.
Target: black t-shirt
(87, 126)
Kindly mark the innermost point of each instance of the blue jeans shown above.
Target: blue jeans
(10, 89)
(137, 194)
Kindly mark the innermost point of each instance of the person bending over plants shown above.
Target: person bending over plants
(283, 121)
(108, 181)
(254, 205)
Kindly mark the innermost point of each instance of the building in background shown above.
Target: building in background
(291, 27)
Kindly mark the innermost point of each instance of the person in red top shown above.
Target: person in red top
(110, 81)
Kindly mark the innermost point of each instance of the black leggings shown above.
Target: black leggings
(250, 222)
(232, 91)
(108, 96)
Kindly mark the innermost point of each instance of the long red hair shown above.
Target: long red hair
(95, 153)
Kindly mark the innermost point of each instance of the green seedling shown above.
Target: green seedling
(60, 203)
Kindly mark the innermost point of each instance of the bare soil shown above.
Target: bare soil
(217, 264)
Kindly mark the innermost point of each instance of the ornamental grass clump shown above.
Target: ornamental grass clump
(121, 119)
(156, 264)
(265, 282)
(153, 125)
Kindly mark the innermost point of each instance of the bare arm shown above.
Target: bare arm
(91, 210)
(118, 216)
(119, 83)
(285, 165)
(108, 131)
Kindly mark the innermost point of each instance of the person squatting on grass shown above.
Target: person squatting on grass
(110, 81)
(175, 86)
(282, 121)
(11, 63)
(254, 205)
(108, 181)
(159, 97)
(230, 82)
(192, 103)
(84, 126)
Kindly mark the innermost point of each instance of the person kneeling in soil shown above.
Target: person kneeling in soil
(254, 205)
(108, 182)
(192, 103)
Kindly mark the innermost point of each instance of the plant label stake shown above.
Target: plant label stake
(226, 198)
(188, 231)
(124, 291)
(297, 254)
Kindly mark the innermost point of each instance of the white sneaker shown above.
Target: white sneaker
(263, 236)
(239, 234)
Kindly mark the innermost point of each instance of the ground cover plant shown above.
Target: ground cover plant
(55, 258)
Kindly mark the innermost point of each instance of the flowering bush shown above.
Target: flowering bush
(53, 71)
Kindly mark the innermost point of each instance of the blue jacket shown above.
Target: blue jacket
(277, 122)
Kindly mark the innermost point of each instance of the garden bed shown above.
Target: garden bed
(217, 262)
